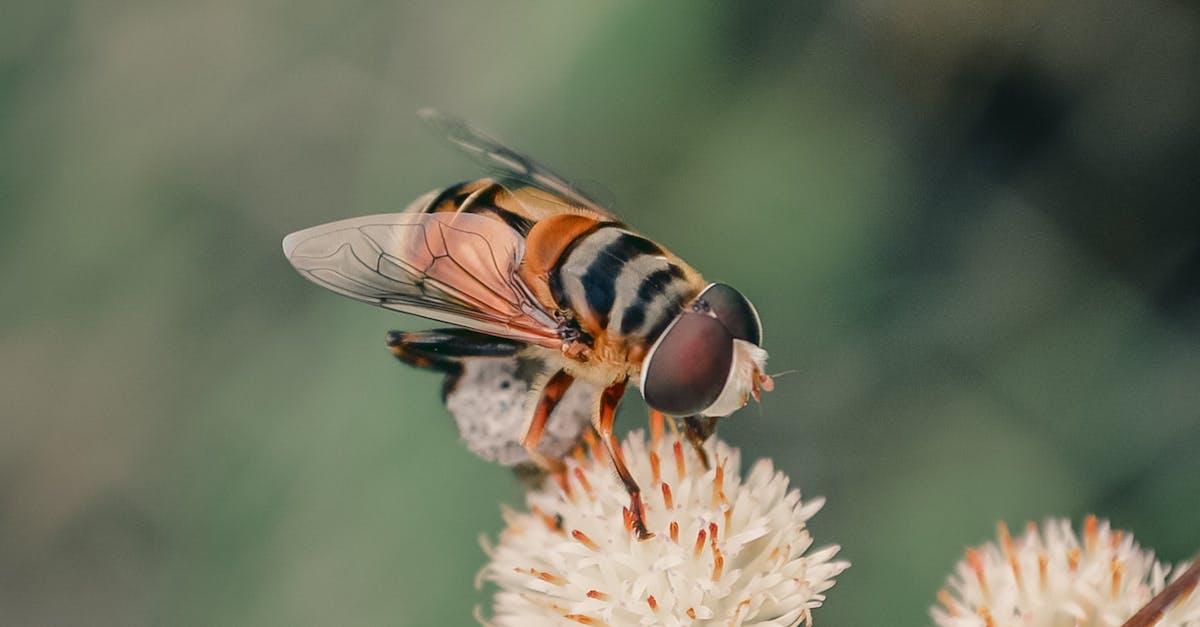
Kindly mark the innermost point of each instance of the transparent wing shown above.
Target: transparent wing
(458, 268)
(505, 162)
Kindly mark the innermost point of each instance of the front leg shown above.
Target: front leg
(603, 421)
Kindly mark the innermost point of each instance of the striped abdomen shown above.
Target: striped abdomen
(622, 283)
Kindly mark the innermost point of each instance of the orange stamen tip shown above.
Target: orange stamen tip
(1089, 532)
(712, 532)
(691, 612)
(667, 498)
(561, 479)
(699, 544)
(975, 561)
(583, 619)
(718, 485)
(1009, 550)
(674, 532)
(986, 615)
(582, 479)
(1043, 566)
(718, 566)
(585, 540)
(550, 521)
(947, 601)
(1116, 567)
(679, 467)
(544, 576)
(652, 602)
(655, 471)
(596, 594)
(656, 427)
(597, 451)
(1073, 559)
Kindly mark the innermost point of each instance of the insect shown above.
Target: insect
(557, 306)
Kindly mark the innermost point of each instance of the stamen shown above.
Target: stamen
(587, 487)
(667, 500)
(947, 601)
(543, 575)
(585, 540)
(656, 428)
(737, 614)
(1117, 568)
(699, 544)
(1010, 552)
(1043, 566)
(655, 473)
(718, 496)
(1073, 559)
(986, 615)
(584, 619)
(674, 532)
(691, 612)
(975, 561)
(561, 479)
(718, 564)
(598, 452)
(1089, 532)
(652, 602)
(551, 522)
(596, 594)
(679, 467)
(712, 533)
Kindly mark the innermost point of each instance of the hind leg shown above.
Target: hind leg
(444, 350)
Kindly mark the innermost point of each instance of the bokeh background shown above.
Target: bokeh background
(971, 228)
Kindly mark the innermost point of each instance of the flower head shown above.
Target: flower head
(726, 550)
(1049, 577)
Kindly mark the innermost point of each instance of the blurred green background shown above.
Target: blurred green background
(971, 227)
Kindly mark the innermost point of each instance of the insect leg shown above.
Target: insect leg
(697, 430)
(551, 394)
(1153, 611)
(444, 349)
(604, 426)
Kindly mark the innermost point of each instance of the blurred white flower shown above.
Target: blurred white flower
(1049, 577)
(725, 551)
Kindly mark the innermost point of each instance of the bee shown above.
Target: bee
(557, 306)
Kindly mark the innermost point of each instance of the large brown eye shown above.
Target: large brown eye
(734, 311)
(686, 371)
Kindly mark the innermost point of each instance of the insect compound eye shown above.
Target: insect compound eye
(734, 311)
(687, 368)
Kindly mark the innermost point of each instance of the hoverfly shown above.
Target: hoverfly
(557, 306)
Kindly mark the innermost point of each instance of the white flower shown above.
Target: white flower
(725, 551)
(1048, 577)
